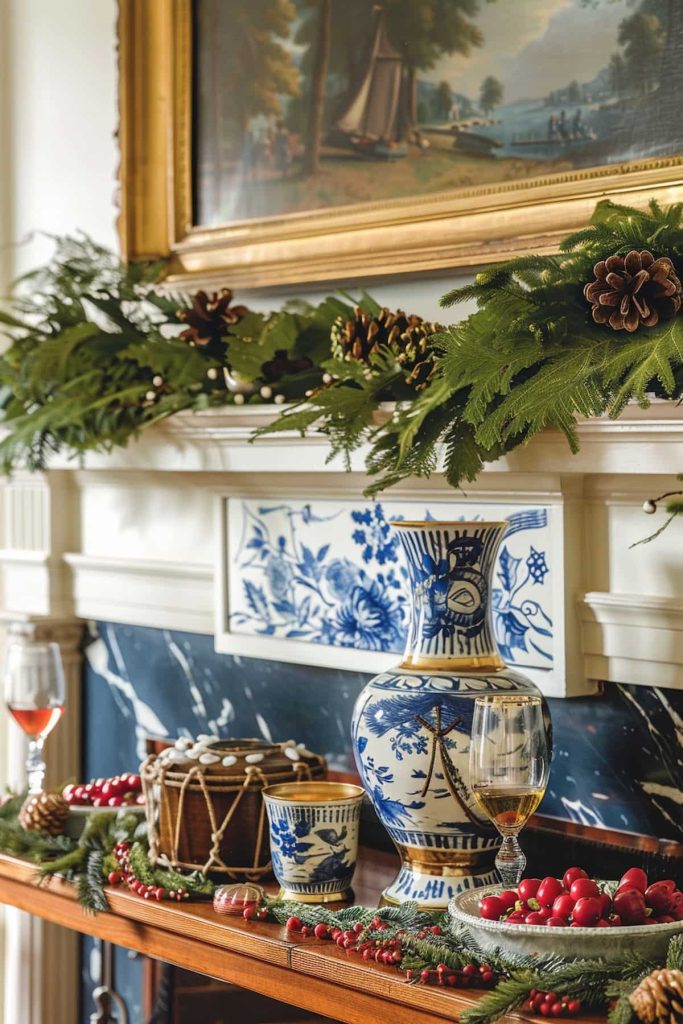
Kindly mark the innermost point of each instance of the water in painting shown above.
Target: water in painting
(306, 104)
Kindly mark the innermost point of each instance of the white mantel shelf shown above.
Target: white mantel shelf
(139, 535)
(220, 440)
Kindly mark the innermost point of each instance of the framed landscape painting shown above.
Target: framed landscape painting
(287, 141)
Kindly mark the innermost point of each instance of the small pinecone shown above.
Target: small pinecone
(44, 812)
(634, 290)
(209, 317)
(408, 337)
(659, 998)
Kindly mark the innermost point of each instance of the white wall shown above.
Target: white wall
(57, 173)
(59, 85)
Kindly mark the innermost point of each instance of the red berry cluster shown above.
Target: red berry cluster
(577, 902)
(549, 1004)
(469, 976)
(388, 952)
(253, 912)
(148, 892)
(119, 791)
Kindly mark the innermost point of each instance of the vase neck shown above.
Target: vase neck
(450, 568)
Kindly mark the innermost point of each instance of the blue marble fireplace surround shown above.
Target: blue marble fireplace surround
(617, 757)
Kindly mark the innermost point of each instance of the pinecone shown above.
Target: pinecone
(44, 812)
(634, 289)
(659, 998)
(209, 317)
(408, 337)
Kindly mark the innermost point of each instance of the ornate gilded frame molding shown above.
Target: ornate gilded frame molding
(412, 235)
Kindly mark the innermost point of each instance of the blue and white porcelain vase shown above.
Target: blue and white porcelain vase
(411, 725)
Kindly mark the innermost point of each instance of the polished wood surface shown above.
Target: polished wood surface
(264, 958)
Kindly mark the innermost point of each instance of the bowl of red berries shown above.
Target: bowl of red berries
(118, 793)
(568, 916)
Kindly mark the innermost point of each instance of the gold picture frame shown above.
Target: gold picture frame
(462, 229)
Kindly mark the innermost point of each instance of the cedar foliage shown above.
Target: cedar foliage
(88, 335)
(531, 356)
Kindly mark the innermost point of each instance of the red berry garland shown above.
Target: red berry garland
(147, 892)
(549, 1004)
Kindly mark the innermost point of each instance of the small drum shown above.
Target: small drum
(204, 806)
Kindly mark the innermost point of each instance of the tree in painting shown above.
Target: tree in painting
(642, 37)
(322, 44)
(424, 30)
(491, 94)
(444, 101)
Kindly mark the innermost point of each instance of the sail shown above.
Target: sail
(374, 110)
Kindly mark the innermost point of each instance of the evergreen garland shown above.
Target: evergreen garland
(597, 984)
(89, 337)
(96, 355)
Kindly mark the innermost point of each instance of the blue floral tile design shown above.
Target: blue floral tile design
(335, 574)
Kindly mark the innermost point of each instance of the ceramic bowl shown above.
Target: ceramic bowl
(649, 941)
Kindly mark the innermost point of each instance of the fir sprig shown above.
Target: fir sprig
(88, 336)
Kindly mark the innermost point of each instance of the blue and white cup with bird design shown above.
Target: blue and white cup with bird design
(314, 838)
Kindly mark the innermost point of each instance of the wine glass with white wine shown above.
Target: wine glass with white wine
(509, 767)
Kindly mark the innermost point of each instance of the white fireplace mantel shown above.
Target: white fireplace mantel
(138, 535)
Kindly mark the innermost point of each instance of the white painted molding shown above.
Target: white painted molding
(154, 499)
(633, 638)
(166, 595)
(219, 440)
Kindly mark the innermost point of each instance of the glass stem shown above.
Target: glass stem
(35, 766)
(510, 861)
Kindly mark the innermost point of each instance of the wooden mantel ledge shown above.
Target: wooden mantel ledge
(314, 976)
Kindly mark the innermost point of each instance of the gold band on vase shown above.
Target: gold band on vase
(453, 863)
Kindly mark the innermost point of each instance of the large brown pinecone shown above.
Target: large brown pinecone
(210, 316)
(408, 337)
(659, 997)
(44, 812)
(634, 290)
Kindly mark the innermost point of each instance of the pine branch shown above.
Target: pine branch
(622, 1011)
(90, 884)
(507, 996)
(674, 957)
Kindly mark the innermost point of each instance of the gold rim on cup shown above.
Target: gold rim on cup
(306, 792)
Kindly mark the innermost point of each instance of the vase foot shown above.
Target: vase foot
(319, 897)
(433, 891)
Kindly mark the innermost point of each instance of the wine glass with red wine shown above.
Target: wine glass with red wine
(35, 695)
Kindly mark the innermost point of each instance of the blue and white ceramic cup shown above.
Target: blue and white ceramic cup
(314, 838)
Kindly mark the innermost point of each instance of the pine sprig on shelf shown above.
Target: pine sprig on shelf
(507, 996)
(90, 883)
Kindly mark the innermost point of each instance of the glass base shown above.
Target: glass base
(510, 862)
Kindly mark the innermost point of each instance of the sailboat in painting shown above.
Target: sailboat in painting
(372, 121)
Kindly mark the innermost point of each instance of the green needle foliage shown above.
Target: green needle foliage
(531, 356)
(88, 336)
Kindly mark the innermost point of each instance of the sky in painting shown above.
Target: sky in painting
(535, 46)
